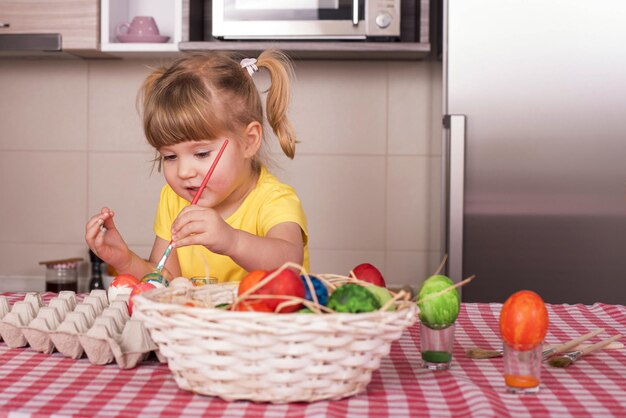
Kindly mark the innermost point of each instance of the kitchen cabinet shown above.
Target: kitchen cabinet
(77, 21)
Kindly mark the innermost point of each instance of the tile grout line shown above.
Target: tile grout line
(386, 214)
(88, 137)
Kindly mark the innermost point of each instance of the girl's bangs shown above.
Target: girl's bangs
(185, 115)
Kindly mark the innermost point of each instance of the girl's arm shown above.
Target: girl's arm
(196, 225)
(283, 243)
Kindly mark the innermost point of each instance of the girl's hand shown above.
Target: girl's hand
(196, 225)
(105, 240)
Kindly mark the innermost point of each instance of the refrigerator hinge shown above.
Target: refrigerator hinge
(446, 121)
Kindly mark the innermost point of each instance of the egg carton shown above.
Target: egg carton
(103, 331)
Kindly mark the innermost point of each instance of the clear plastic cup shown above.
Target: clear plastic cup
(522, 369)
(436, 347)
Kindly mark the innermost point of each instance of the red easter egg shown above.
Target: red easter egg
(286, 283)
(246, 306)
(524, 320)
(124, 280)
(368, 273)
(138, 289)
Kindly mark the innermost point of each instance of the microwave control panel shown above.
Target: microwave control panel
(382, 18)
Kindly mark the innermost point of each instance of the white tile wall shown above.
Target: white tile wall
(367, 168)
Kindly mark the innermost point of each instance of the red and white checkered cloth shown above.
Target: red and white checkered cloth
(38, 385)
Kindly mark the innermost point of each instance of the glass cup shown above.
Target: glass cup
(203, 280)
(522, 369)
(436, 347)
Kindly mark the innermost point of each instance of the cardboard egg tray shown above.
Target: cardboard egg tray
(103, 331)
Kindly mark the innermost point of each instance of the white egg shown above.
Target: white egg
(119, 291)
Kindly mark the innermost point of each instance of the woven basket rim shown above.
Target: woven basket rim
(146, 299)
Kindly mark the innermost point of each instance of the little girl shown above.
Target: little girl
(245, 219)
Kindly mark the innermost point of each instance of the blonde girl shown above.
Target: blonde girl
(246, 219)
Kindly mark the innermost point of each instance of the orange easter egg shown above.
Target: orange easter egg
(524, 320)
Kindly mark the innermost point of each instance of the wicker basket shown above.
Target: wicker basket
(267, 357)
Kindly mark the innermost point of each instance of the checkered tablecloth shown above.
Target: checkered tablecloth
(38, 385)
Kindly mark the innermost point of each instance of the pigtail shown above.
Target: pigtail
(278, 95)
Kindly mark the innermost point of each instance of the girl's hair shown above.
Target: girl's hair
(206, 95)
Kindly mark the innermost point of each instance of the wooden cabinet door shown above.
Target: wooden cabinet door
(78, 21)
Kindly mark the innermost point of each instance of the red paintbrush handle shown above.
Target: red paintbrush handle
(208, 175)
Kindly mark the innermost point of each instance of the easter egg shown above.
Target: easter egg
(321, 292)
(524, 320)
(368, 273)
(121, 285)
(286, 283)
(157, 279)
(382, 295)
(138, 289)
(250, 280)
(441, 311)
(252, 306)
(353, 298)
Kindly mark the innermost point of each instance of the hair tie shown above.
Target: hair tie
(250, 65)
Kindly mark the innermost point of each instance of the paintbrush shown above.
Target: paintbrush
(566, 360)
(479, 353)
(196, 197)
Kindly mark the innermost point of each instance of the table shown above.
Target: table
(41, 385)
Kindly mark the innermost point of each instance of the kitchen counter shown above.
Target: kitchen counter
(40, 385)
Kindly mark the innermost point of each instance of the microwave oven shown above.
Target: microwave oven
(306, 19)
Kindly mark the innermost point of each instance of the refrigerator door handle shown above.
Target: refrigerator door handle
(454, 176)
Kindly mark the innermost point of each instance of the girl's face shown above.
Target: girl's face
(185, 165)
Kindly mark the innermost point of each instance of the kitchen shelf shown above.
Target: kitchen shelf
(168, 15)
(320, 49)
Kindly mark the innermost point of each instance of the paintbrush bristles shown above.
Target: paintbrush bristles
(560, 361)
(481, 353)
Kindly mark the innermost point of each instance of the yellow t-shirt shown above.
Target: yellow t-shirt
(268, 204)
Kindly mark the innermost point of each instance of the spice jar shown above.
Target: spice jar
(62, 274)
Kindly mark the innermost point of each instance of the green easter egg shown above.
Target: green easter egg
(382, 295)
(352, 298)
(441, 311)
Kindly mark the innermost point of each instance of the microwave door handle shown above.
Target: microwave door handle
(355, 12)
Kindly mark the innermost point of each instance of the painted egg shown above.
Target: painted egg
(353, 298)
(156, 279)
(524, 320)
(284, 284)
(369, 273)
(121, 285)
(321, 292)
(441, 311)
(382, 295)
(137, 290)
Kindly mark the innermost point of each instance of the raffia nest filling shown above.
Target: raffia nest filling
(268, 357)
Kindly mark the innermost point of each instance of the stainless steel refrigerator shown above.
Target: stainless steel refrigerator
(535, 148)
